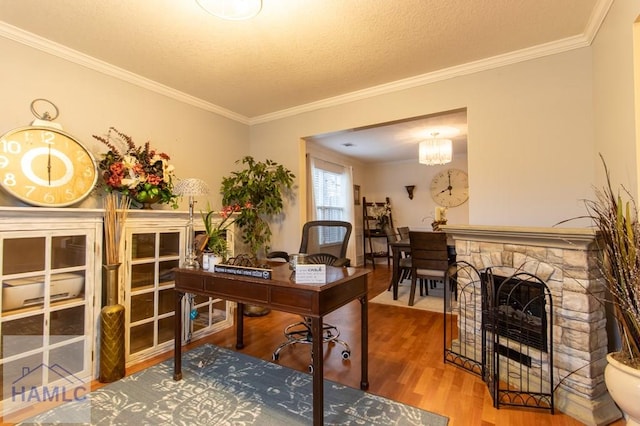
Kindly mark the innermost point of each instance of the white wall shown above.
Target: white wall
(201, 144)
(389, 180)
(615, 126)
(531, 147)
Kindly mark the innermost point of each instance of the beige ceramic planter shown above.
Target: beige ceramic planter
(623, 383)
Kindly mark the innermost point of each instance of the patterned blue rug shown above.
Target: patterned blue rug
(223, 387)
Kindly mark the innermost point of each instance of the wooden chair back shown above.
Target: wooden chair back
(429, 250)
(403, 231)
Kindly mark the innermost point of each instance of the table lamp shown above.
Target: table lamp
(191, 187)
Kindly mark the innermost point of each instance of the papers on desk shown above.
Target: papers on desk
(311, 274)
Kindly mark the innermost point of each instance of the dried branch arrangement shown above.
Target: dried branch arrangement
(619, 232)
(116, 208)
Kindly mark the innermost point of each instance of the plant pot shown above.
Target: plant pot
(623, 383)
(210, 260)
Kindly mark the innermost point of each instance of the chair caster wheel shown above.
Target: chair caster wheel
(311, 368)
(275, 357)
(346, 354)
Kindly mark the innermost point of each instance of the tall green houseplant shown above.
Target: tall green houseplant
(260, 189)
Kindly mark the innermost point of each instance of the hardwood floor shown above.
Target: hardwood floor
(405, 361)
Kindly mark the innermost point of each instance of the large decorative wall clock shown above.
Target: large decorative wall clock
(44, 166)
(450, 188)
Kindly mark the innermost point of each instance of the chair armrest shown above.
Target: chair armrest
(342, 262)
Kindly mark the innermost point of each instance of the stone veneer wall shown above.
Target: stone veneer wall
(566, 259)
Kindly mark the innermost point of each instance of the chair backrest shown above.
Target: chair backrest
(429, 250)
(403, 231)
(321, 258)
(391, 236)
(326, 236)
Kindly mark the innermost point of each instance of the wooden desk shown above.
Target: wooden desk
(280, 293)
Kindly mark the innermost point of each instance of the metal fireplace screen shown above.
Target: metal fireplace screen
(513, 350)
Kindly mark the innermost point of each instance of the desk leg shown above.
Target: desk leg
(318, 373)
(177, 346)
(364, 336)
(396, 273)
(240, 326)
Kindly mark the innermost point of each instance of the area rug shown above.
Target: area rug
(434, 302)
(223, 387)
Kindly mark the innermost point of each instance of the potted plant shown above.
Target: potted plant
(216, 231)
(260, 188)
(618, 229)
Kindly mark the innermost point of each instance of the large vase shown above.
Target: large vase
(147, 202)
(112, 363)
(623, 383)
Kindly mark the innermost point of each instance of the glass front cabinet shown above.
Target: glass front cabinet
(50, 268)
(154, 244)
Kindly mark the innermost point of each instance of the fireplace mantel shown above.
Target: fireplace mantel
(567, 238)
(566, 258)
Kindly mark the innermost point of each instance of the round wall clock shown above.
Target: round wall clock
(46, 167)
(450, 188)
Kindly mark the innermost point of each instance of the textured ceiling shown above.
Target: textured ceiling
(296, 52)
(300, 54)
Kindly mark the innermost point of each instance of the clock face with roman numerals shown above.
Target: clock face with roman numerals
(450, 188)
(46, 167)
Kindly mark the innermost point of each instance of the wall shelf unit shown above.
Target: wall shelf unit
(375, 243)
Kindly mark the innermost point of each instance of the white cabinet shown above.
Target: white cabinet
(50, 262)
(154, 244)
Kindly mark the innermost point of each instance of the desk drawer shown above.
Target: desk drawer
(296, 301)
(237, 290)
(190, 282)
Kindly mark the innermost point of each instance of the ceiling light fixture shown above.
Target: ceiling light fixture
(435, 151)
(233, 10)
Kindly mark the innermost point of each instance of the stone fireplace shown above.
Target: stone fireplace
(566, 259)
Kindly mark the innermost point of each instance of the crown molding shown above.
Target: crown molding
(523, 55)
(64, 52)
(597, 17)
(576, 42)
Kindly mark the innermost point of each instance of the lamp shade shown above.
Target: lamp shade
(435, 151)
(191, 187)
(234, 10)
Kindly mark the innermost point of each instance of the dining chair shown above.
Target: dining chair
(404, 267)
(429, 258)
(403, 231)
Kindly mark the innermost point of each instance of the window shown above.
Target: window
(329, 190)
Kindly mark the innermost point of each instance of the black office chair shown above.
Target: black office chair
(324, 242)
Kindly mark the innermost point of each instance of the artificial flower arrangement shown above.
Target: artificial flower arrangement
(381, 213)
(216, 231)
(140, 172)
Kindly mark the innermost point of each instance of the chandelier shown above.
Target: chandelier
(435, 151)
(234, 10)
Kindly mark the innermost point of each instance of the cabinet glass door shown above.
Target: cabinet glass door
(46, 306)
(150, 298)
